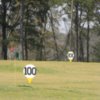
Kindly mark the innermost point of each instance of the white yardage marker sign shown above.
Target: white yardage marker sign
(29, 72)
(70, 56)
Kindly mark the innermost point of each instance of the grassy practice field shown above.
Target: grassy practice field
(54, 81)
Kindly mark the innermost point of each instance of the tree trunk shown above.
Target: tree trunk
(41, 47)
(4, 35)
(77, 29)
(88, 35)
(26, 46)
(22, 28)
(81, 50)
(26, 41)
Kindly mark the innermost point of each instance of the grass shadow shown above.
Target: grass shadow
(25, 86)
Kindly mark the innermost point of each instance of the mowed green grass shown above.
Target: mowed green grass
(54, 81)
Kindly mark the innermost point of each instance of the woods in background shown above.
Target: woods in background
(29, 29)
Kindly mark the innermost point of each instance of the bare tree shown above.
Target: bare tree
(22, 27)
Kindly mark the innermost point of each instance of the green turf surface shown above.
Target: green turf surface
(54, 81)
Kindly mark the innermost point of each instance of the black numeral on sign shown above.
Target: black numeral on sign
(70, 55)
(30, 71)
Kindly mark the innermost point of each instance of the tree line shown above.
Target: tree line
(23, 23)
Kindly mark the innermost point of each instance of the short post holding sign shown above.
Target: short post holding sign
(70, 56)
(29, 72)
